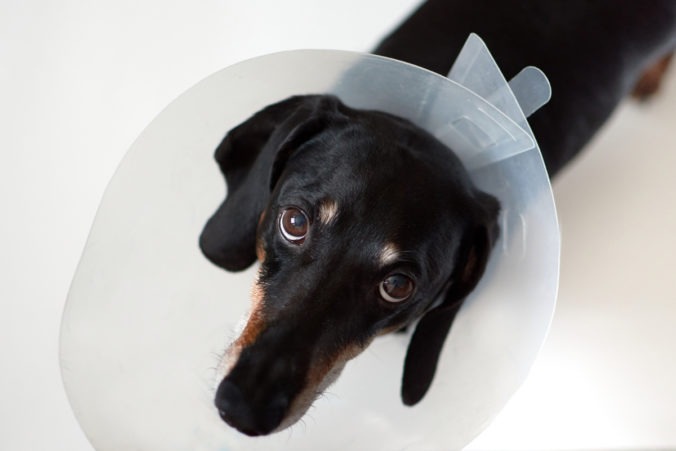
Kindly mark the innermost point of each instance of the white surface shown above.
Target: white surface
(80, 81)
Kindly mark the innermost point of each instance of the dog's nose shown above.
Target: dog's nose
(251, 418)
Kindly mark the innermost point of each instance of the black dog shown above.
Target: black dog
(363, 221)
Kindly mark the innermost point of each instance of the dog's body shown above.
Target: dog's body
(592, 51)
(364, 223)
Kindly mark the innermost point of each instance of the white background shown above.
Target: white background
(80, 80)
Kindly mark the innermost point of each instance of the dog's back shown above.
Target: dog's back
(593, 53)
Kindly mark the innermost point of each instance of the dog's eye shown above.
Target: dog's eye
(396, 288)
(294, 225)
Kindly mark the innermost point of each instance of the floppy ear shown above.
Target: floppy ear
(430, 333)
(251, 157)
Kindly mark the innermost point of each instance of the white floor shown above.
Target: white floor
(78, 82)
(605, 378)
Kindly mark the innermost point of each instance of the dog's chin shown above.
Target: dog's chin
(318, 379)
(303, 401)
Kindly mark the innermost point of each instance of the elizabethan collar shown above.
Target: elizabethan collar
(147, 314)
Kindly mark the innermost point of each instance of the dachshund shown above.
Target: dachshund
(364, 223)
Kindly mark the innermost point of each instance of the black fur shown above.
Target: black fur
(592, 51)
(392, 182)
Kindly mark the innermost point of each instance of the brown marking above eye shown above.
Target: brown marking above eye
(328, 210)
(389, 254)
(294, 225)
(396, 287)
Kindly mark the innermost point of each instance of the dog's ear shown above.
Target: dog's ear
(251, 157)
(430, 333)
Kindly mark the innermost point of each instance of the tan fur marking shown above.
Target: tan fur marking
(468, 271)
(391, 329)
(256, 321)
(328, 210)
(389, 254)
(254, 325)
(260, 246)
(321, 375)
(260, 249)
(318, 372)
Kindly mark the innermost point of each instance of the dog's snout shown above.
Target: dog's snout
(252, 417)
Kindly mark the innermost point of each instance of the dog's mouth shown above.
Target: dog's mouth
(261, 396)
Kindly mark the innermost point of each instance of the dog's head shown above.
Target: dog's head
(362, 222)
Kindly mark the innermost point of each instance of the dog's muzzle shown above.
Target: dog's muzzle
(253, 418)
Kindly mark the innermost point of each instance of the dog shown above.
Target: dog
(363, 223)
